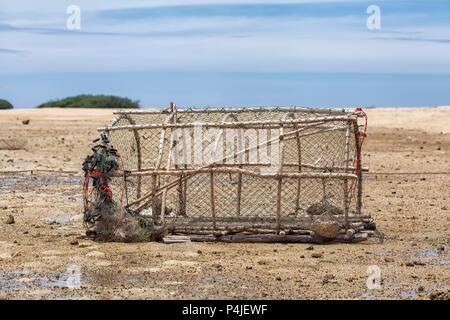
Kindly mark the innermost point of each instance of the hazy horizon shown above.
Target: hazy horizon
(228, 53)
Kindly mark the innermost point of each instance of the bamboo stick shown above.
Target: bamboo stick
(176, 239)
(299, 181)
(249, 228)
(347, 156)
(357, 237)
(258, 238)
(280, 171)
(267, 238)
(302, 175)
(349, 233)
(169, 158)
(359, 173)
(288, 229)
(115, 120)
(233, 125)
(259, 164)
(139, 164)
(317, 132)
(243, 110)
(238, 230)
(299, 155)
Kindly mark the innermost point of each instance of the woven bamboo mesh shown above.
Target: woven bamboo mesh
(222, 169)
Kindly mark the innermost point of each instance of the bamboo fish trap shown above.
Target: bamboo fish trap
(249, 174)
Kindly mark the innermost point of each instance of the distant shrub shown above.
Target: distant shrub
(91, 101)
(5, 104)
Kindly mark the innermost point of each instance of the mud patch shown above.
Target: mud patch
(25, 280)
(62, 219)
(22, 183)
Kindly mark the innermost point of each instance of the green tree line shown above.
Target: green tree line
(4, 104)
(92, 101)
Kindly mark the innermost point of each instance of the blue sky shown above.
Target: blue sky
(228, 53)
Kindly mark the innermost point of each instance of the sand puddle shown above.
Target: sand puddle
(26, 183)
(38, 283)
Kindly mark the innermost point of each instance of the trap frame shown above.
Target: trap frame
(215, 172)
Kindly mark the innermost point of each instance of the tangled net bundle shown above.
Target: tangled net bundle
(104, 219)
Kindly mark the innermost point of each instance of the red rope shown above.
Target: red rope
(103, 188)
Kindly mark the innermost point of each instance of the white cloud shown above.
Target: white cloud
(262, 52)
(338, 44)
(89, 5)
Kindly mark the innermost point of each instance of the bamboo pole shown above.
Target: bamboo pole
(139, 164)
(169, 157)
(235, 230)
(299, 153)
(258, 238)
(347, 157)
(115, 120)
(260, 164)
(358, 165)
(299, 181)
(245, 124)
(228, 125)
(163, 201)
(303, 175)
(280, 171)
(282, 139)
(184, 196)
(317, 132)
(300, 109)
(271, 238)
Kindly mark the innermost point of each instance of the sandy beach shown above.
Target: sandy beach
(407, 192)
